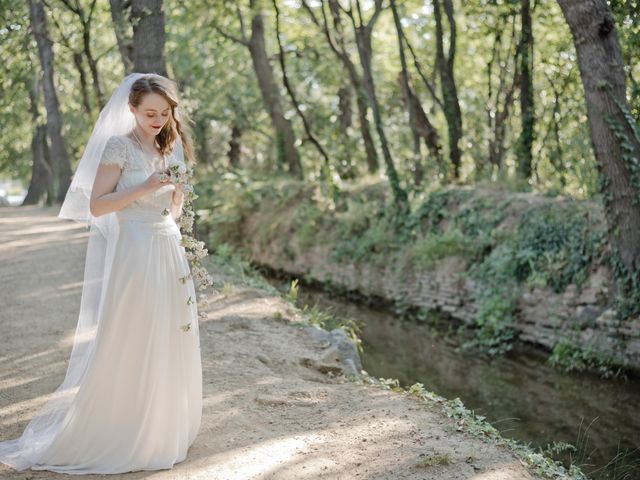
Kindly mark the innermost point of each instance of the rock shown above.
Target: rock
(341, 353)
(347, 351)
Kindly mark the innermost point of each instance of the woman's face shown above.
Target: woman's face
(152, 114)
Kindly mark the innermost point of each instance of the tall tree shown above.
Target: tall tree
(501, 97)
(41, 174)
(335, 36)
(418, 169)
(285, 137)
(148, 36)
(61, 166)
(525, 142)
(296, 104)
(363, 33)
(615, 136)
(445, 65)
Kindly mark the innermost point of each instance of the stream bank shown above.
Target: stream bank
(507, 265)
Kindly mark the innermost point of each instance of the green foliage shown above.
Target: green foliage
(436, 207)
(495, 294)
(373, 242)
(552, 245)
(569, 358)
(292, 295)
(427, 250)
(557, 243)
(308, 224)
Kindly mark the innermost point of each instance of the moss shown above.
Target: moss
(433, 460)
(427, 250)
(569, 358)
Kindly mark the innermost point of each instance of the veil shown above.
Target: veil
(114, 119)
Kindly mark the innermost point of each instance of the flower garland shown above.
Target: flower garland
(194, 249)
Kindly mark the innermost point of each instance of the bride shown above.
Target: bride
(131, 398)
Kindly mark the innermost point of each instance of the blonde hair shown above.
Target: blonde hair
(177, 125)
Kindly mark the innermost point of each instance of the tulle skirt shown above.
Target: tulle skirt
(139, 405)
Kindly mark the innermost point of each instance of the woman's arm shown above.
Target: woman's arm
(177, 201)
(105, 200)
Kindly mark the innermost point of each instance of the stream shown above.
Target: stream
(520, 394)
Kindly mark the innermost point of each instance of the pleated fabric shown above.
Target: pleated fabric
(140, 405)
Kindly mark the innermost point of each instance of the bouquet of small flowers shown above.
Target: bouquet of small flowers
(194, 249)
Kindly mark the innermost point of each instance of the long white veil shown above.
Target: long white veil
(114, 119)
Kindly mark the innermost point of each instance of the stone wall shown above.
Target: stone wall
(543, 317)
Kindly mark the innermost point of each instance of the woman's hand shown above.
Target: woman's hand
(153, 181)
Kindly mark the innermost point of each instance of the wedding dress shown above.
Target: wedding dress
(139, 404)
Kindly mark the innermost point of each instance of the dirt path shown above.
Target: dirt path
(266, 415)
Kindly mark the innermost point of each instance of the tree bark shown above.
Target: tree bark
(409, 99)
(148, 36)
(615, 137)
(527, 113)
(77, 61)
(120, 16)
(424, 128)
(294, 100)
(234, 147)
(499, 106)
(285, 138)
(60, 160)
(452, 111)
(40, 170)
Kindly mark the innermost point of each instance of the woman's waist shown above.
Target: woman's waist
(152, 218)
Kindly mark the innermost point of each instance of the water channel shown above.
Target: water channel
(520, 394)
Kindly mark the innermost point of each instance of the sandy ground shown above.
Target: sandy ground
(268, 413)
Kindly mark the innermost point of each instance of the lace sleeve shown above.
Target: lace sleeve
(114, 152)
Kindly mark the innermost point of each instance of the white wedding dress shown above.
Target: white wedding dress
(139, 404)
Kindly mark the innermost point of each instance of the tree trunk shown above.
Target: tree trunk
(40, 170)
(344, 107)
(424, 127)
(525, 142)
(59, 158)
(338, 47)
(234, 147)
(77, 61)
(148, 36)
(418, 169)
(285, 138)
(363, 42)
(296, 104)
(616, 144)
(499, 105)
(447, 81)
(122, 25)
(93, 64)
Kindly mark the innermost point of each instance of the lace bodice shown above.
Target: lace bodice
(135, 168)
